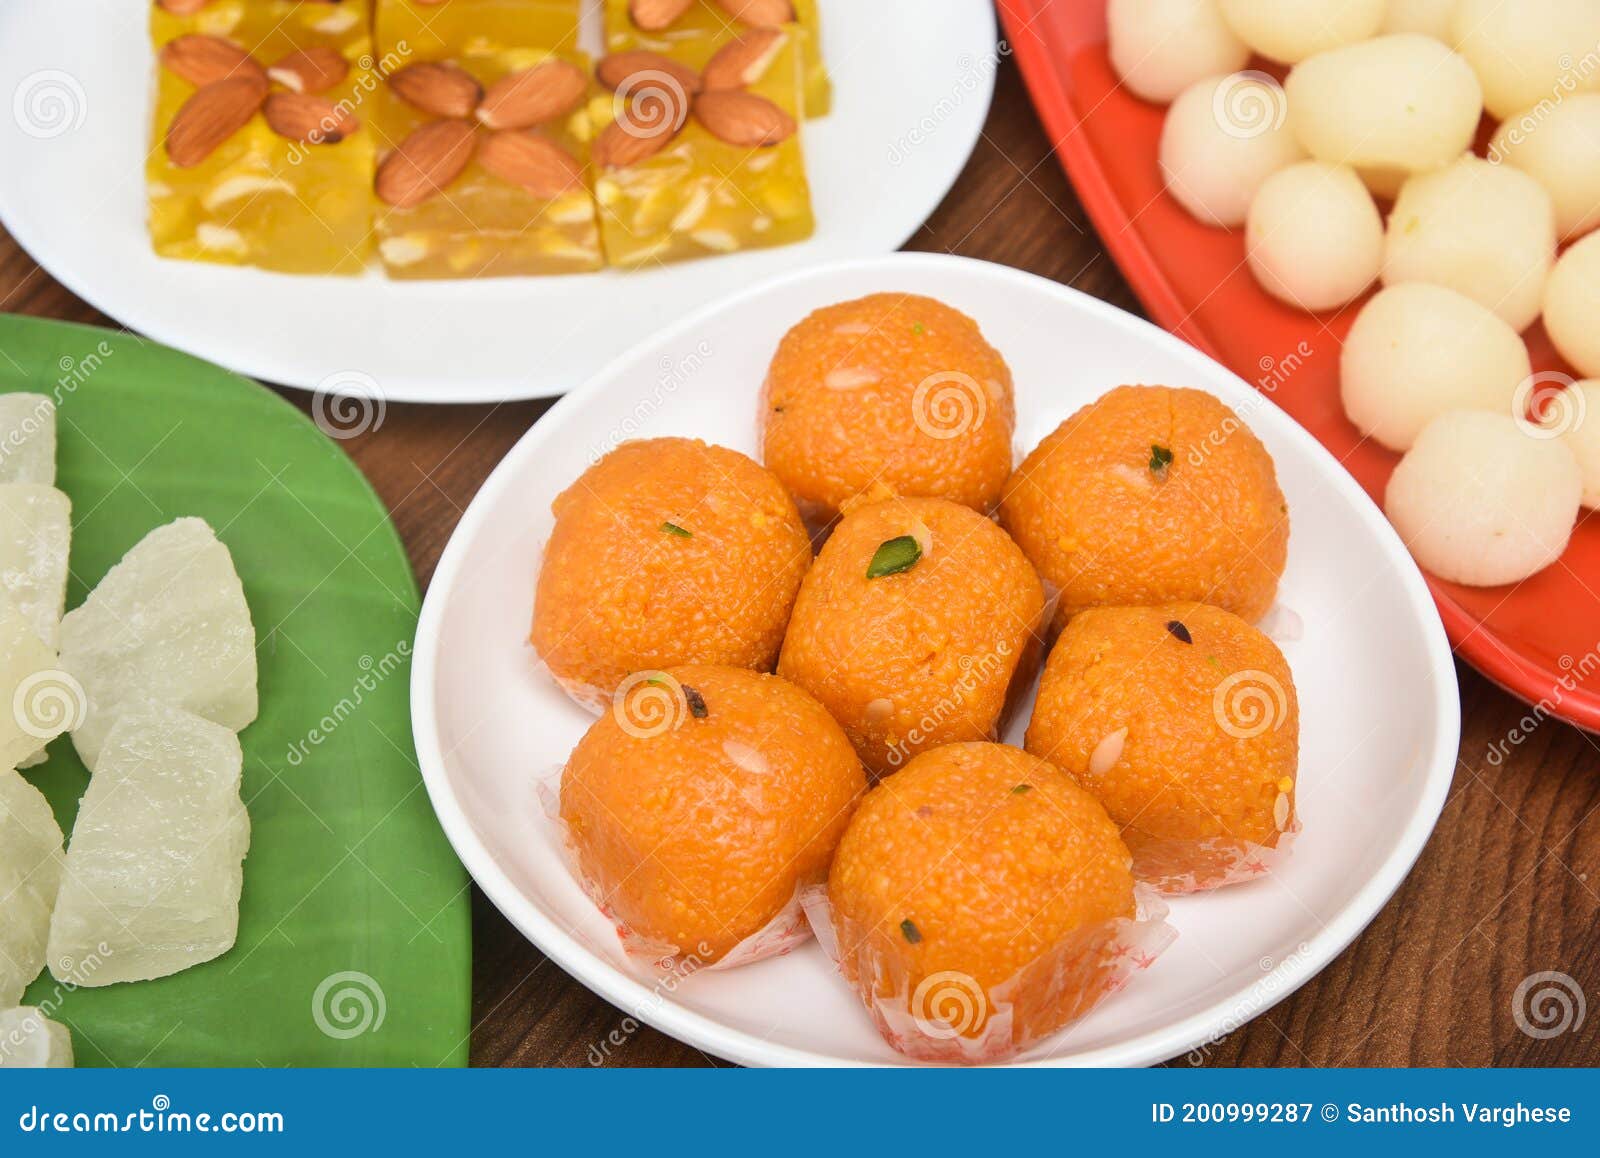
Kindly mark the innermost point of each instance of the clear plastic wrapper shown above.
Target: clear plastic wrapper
(1176, 867)
(785, 932)
(950, 1018)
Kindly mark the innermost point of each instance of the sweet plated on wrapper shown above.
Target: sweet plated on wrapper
(913, 626)
(1149, 495)
(1182, 720)
(699, 807)
(31, 1041)
(982, 897)
(30, 874)
(897, 390)
(980, 901)
(666, 552)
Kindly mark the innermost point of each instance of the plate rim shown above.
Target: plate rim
(506, 386)
(1486, 651)
(701, 1031)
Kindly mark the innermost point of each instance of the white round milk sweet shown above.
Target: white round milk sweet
(1572, 305)
(1418, 350)
(1390, 106)
(1573, 414)
(1528, 51)
(1314, 237)
(1291, 30)
(1559, 146)
(1481, 501)
(1484, 230)
(1161, 47)
(1222, 138)
(1427, 17)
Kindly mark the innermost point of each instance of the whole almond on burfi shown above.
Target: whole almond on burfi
(636, 69)
(426, 161)
(438, 88)
(743, 118)
(202, 60)
(310, 70)
(523, 99)
(212, 115)
(182, 7)
(743, 62)
(624, 143)
(311, 120)
(530, 161)
(654, 15)
(759, 13)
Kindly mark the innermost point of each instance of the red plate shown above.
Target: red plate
(1539, 639)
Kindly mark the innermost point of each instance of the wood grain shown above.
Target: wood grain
(1508, 887)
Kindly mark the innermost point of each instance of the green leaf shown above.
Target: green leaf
(896, 555)
(674, 529)
(349, 884)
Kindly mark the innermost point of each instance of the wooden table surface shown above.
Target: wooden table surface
(1508, 887)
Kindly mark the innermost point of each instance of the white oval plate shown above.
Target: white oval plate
(1380, 716)
(911, 95)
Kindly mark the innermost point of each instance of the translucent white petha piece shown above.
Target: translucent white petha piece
(27, 439)
(168, 623)
(35, 537)
(155, 865)
(30, 873)
(38, 701)
(31, 1041)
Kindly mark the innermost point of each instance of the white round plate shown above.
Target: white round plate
(1380, 718)
(911, 94)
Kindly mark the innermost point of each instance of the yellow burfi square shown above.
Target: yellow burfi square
(695, 35)
(260, 198)
(338, 23)
(701, 195)
(411, 29)
(481, 225)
